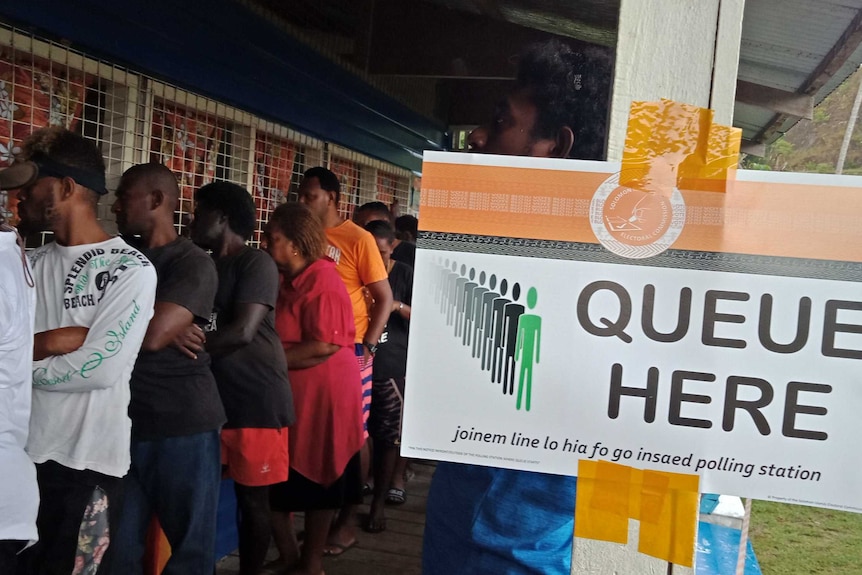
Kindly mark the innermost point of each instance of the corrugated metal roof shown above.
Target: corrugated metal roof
(789, 45)
(785, 45)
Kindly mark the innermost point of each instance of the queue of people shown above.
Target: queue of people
(147, 369)
(136, 371)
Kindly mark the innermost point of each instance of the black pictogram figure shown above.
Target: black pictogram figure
(467, 321)
(495, 363)
(512, 312)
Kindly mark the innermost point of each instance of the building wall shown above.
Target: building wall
(135, 118)
(223, 50)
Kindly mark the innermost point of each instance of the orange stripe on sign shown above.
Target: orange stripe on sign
(805, 220)
(509, 202)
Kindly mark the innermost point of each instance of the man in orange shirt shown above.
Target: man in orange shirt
(361, 268)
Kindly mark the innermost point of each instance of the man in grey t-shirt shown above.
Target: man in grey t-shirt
(175, 408)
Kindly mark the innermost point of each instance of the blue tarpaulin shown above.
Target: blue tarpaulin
(718, 550)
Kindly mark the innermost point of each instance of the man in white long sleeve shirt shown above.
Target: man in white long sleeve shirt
(94, 300)
(19, 495)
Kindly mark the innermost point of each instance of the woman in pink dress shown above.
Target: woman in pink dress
(314, 320)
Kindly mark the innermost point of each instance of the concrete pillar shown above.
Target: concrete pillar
(603, 558)
(677, 49)
(686, 51)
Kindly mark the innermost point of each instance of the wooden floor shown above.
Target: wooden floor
(396, 551)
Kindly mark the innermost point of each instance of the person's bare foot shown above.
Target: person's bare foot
(376, 520)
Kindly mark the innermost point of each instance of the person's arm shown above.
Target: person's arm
(326, 320)
(372, 274)
(112, 342)
(170, 322)
(58, 341)
(239, 332)
(307, 354)
(185, 293)
(382, 295)
(401, 309)
(254, 295)
(403, 306)
(190, 341)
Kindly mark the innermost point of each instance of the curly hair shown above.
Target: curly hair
(296, 223)
(234, 202)
(569, 89)
(65, 147)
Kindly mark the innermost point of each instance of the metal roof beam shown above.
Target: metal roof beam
(841, 51)
(836, 57)
(781, 101)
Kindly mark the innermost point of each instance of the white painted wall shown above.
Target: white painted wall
(684, 50)
(603, 558)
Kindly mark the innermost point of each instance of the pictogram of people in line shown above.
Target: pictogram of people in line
(500, 334)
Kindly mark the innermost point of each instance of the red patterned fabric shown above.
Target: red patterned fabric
(348, 175)
(273, 169)
(35, 93)
(187, 143)
(386, 183)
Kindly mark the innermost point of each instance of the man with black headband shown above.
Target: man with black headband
(487, 520)
(94, 299)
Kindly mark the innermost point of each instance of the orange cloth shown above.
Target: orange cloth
(359, 263)
(255, 456)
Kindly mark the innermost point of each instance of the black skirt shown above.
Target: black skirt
(299, 493)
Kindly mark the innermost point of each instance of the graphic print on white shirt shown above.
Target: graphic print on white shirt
(80, 399)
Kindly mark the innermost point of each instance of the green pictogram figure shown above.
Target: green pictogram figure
(527, 347)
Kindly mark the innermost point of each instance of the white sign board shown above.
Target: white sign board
(736, 354)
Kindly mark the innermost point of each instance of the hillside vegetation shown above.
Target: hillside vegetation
(813, 145)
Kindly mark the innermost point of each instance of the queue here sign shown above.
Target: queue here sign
(559, 317)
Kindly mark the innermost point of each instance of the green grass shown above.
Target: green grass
(797, 540)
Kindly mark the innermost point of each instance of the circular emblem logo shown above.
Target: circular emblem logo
(635, 224)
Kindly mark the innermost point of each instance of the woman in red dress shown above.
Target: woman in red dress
(314, 320)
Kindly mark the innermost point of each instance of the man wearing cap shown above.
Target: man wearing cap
(94, 299)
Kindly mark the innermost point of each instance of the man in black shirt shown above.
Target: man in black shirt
(175, 409)
(390, 368)
(406, 232)
(248, 361)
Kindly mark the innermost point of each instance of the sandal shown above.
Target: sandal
(396, 496)
(336, 549)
